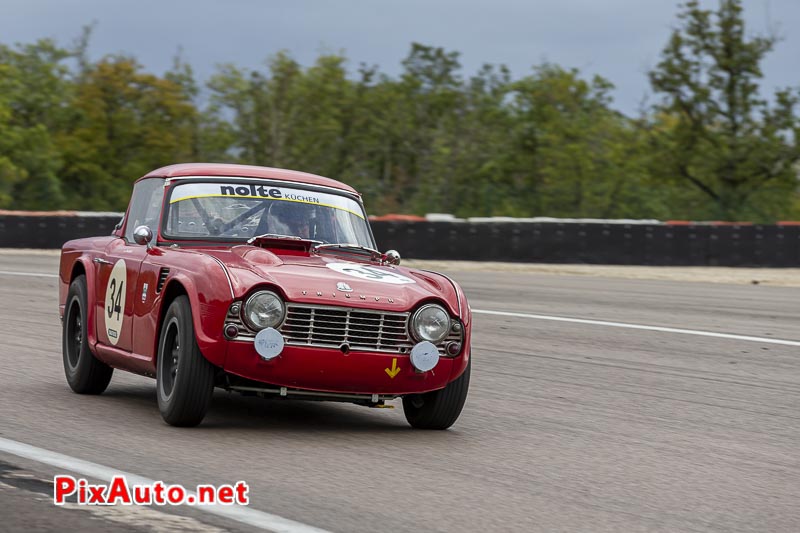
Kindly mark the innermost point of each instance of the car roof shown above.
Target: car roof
(245, 171)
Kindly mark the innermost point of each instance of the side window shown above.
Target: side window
(145, 206)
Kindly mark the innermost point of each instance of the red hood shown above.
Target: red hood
(310, 279)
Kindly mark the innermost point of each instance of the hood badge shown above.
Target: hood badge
(344, 287)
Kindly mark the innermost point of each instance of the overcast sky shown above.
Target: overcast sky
(619, 39)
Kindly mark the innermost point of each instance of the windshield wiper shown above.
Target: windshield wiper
(356, 249)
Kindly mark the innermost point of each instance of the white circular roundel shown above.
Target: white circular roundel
(371, 273)
(269, 343)
(114, 310)
(424, 356)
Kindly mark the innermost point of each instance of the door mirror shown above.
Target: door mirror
(392, 257)
(143, 235)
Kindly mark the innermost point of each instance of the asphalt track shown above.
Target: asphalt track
(569, 426)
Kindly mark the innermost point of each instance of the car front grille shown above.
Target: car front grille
(333, 327)
(360, 329)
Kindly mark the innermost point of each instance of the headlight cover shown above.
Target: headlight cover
(430, 323)
(264, 309)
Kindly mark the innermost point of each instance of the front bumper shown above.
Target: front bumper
(330, 370)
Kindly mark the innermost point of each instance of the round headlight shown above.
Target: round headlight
(430, 323)
(264, 309)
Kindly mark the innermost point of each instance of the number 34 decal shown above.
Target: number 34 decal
(115, 301)
(371, 273)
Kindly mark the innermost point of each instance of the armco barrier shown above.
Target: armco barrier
(51, 231)
(596, 243)
(545, 242)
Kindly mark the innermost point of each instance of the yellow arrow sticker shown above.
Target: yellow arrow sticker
(394, 370)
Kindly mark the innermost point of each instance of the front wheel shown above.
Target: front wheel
(184, 378)
(438, 409)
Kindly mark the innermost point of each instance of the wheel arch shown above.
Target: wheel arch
(81, 266)
(173, 289)
(78, 269)
(210, 345)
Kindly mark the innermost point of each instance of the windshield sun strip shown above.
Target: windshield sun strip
(170, 182)
(171, 202)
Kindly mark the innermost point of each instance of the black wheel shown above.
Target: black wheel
(438, 409)
(184, 378)
(85, 373)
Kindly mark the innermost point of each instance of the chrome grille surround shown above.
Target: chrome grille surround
(328, 326)
(360, 329)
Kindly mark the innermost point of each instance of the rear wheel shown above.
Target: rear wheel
(184, 378)
(85, 373)
(438, 409)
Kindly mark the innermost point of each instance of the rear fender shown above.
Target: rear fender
(71, 264)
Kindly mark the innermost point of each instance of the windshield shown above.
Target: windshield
(241, 210)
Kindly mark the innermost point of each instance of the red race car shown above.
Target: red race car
(261, 281)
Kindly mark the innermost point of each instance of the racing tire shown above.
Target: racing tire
(184, 378)
(438, 409)
(85, 373)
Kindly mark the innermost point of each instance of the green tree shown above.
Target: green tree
(211, 136)
(479, 161)
(74, 133)
(574, 156)
(263, 107)
(713, 130)
(34, 92)
(433, 101)
(129, 123)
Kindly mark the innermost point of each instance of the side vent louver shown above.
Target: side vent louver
(162, 278)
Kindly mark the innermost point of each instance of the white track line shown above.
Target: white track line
(640, 326)
(244, 515)
(32, 274)
(572, 320)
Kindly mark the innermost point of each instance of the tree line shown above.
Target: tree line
(75, 133)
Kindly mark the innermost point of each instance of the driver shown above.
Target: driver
(291, 218)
